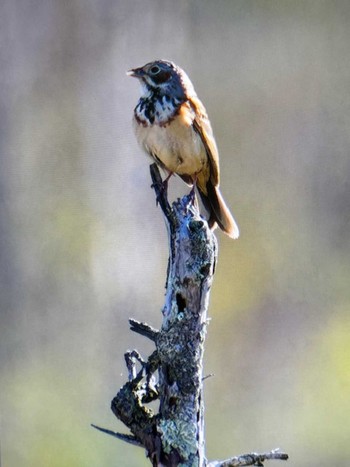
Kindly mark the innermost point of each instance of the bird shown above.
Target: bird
(172, 126)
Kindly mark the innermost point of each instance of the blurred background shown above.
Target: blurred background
(83, 246)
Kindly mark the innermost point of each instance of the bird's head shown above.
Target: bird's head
(163, 77)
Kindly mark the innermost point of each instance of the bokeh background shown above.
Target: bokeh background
(84, 247)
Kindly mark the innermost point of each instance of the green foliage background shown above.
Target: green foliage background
(83, 246)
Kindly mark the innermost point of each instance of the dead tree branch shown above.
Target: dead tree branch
(172, 374)
(250, 459)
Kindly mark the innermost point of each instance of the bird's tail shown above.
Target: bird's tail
(218, 211)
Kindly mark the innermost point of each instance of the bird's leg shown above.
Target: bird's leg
(192, 193)
(163, 187)
(165, 183)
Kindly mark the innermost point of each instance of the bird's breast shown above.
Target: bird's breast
(174, 143)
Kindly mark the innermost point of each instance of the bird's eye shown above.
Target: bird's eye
(155, 70)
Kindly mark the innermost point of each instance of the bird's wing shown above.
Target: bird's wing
(201, 125)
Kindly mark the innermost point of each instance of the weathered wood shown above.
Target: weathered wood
(252, 458)
(180, 343)
(173, 372)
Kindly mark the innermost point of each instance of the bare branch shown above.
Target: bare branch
(143, 329)
(250, 459)
(123, 437)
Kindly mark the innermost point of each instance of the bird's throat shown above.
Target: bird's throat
(156, 109)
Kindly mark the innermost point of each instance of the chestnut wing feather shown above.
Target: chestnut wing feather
(201, 125)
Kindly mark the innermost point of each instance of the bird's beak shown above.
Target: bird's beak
(136, 72)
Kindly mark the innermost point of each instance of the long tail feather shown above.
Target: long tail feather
(218, 211)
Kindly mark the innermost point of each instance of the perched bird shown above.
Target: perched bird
(172, 126)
